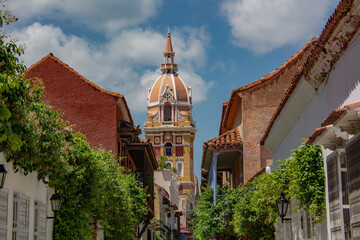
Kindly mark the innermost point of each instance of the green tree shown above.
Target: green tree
(250, 211)
(36, 139)
(214, 222)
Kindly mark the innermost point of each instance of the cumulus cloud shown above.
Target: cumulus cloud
(262, 25)
(106, 15)
(128, 63)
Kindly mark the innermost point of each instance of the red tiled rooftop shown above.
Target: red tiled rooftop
(76, 73)
(343, 7)
(331, 119)
(267, 78)
(183, 230)
(341, 10)
(165, 193)
(229, 139)
(334, 115)
(315, 134)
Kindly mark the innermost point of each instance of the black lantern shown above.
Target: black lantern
(55, 202)
(3, 173)
(282, 205)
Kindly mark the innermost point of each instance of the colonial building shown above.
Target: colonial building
(102, 116)
(24, 205)
(236, 155)
(323, 102)
(170, 127)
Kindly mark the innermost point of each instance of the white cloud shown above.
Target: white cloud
(106, 15)
(126, 63)
(263, 25)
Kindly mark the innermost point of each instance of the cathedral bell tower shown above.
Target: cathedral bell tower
(170, 127)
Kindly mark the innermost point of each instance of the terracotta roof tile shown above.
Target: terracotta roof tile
(341, 10)
(76, 73)
(229, 139)
(334, 115)
(269, 77)
(57, 60)
(331, 119)
(343, 7)
(165, 193)
(315, 134)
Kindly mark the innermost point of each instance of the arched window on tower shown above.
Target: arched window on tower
(167, 113)
(168, 149)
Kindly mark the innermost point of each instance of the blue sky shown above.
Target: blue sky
(219, 45)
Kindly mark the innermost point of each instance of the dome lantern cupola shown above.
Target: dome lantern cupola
(169, 100)
(169, 66)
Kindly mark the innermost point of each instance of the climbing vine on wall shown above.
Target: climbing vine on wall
(251, 209)
(36, 139)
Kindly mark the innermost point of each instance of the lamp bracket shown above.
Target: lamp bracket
(287, 220)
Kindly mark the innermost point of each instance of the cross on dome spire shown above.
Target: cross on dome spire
(169, 66)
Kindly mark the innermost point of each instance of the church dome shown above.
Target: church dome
(175, 85)
(169, 87)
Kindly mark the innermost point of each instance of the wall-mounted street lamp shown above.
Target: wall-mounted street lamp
(3, 173)
(55, 201)
(282, 205)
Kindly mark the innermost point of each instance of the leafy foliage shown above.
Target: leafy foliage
(251, 209)
(162, 232)
(214, 222)
(307, 184)
(36, 139)
(162, 163)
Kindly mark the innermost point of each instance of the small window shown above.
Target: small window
(168, 149)
(179, 169)
(167, 113)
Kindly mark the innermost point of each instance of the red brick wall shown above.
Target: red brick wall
(236, 172)
(93, 112)
(258, 106)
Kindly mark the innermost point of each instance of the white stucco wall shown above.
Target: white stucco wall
(306, 109)
(28, 185)
(166, 179)
(341, 88)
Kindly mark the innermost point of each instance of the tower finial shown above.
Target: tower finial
(168, 47)
(169, 66)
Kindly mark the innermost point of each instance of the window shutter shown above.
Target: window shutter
(353, 161)
(3, 208)
(21, 217)
(42, 222)
(334, 201)
(3, 214)
(23, 208)
(2, 233)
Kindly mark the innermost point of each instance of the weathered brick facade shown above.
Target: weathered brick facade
(93, 110)
(249, 110)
